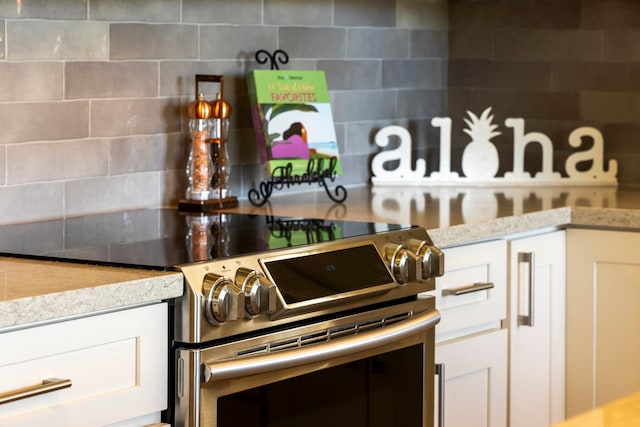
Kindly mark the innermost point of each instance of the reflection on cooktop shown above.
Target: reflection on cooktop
(162, 238)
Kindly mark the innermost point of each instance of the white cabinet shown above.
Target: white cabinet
(110, 369)
(475, 373)
(470, 342)
(498, 371)
(537, 330)
(603, 317)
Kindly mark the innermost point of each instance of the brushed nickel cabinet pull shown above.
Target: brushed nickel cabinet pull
(48, 385)
(476, 287)
(529, 259)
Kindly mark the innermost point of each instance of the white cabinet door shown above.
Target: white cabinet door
(603, 317)
(475, 373)
(471, 342)
(537, 330)
(114, 367)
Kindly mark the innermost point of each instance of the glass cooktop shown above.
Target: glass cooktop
(163, 238)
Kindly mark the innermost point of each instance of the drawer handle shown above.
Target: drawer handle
(529, 259)
(48, 385)
(476, 287)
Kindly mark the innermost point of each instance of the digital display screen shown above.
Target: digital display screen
(324, 274)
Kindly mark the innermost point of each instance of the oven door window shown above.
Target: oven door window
(381, 390)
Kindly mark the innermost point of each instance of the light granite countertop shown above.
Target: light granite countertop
(34, 291)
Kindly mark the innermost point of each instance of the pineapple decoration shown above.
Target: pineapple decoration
(480, 157)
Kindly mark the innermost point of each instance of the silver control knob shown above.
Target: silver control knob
(402, 262)
(430, 258)
(225, 301)
(259, 292)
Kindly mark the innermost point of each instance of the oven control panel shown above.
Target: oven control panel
(289, 284)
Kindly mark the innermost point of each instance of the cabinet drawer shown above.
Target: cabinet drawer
(468, 269)
(116, 364)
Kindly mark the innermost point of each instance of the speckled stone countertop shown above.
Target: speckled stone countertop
(460, 215)
(39, 291)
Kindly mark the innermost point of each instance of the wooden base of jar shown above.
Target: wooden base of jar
(203, 206)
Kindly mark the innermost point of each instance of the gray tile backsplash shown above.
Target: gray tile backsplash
(62, 40)
(31, 81)
(93, 95)
(153, 41)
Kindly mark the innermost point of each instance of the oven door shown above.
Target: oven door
(366, 369)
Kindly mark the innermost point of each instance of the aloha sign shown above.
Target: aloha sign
(480, 160)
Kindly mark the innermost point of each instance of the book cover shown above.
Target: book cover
(293, 121)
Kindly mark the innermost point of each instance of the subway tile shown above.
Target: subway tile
(363, 105)
(500, 74)
(31, 202)
(471, 44)
(414, 104)
(611, 15)
(234, 42)
(42, 40)
(173, 185)
(429, 44)
(109, 194)
(310, 42)
(549, 45)
(610, 107)
(243, 12)
(377, 43)
(623, 46)
(360, 136)
(153, 41)
(126, 10)
(355, 169)
(628, 170)
(607, 76)
(372, 13)
(147, 153)
(621, 139)
(459, 100)
(135, 117)
(3, 48)
(309, 12)
(242, 148)
(534, 105)
(178, 78)
(111, 80)
(3, 161)
(43, 161)
(525, 14)
(350, 75)
(31, 81)
(433, 15)
(420, 73)
(43, 9)
(43, 121)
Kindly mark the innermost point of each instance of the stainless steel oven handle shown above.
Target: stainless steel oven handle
(237, 368)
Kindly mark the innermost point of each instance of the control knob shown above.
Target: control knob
(259, 293)
(403, 263)
(430, 258)
(225, 301)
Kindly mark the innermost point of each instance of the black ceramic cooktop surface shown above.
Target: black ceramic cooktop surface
(162, 238)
